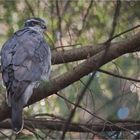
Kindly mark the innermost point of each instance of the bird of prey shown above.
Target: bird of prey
(25, 60)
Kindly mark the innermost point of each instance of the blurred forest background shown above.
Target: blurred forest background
(73, 24)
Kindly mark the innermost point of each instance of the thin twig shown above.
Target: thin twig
(126, 31)
(118, 76)
(94, 115)
(30, 8)
(59, 22)
(59, 16)
(5, 135)
(85, 18)
(66, 7)
(115, 18)
(34, 132)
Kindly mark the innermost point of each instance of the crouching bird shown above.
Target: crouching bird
(25, 60)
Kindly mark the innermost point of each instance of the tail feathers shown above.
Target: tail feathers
(17, 121)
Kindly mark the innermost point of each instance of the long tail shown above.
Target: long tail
(17, 121)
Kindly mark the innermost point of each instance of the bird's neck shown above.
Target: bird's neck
(37, 29)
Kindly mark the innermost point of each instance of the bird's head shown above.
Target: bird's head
(36, 24)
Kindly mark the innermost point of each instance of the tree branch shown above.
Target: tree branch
(85, 52)
(53, 125)
(118, 76)
(46, 89)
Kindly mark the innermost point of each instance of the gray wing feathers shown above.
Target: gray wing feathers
(6, 52)
(29, 58)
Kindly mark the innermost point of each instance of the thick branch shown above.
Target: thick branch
(88, 66)
(85, 68)
(83, 52)
(76, 127)
(76, 54)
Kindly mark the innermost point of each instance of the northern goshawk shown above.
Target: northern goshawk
(25, 60)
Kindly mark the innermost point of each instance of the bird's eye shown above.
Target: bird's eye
(33, 24)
